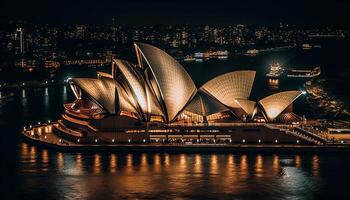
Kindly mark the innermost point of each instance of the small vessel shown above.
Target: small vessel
(276, 70)
(189, 59)
(306, 46)
(252, 52)
(304, 73)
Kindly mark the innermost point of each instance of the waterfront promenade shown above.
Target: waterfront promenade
(44, 136)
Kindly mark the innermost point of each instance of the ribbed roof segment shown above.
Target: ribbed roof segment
(274, 105)
(204, 105)
(101, 90)
(231, 86)
(247, 105)
(142, 93)
(125, 101)
(175, 85)
(104, 74)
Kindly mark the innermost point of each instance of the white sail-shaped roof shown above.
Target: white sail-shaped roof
(142, 93)
(204, 105)
(125, 102)
(231, 86)
(101, 90)
(248, 106)
(274, 105)
(175, 85)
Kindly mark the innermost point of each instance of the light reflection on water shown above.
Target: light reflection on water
(146, 175)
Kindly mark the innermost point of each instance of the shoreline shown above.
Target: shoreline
(193, 148)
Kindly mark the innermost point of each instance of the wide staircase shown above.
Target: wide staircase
(309, 134)
(301, 133)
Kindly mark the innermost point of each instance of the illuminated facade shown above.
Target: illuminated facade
(158, 89)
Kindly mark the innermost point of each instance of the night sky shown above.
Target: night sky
(215, 12)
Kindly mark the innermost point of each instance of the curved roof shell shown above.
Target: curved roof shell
(275, 104)
(248, 106)
(204, 105)
(175, 86)
(143, 96)
(125, 102)
(101, 90)
(231, 86)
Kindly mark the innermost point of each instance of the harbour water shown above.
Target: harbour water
(29, 172)
(44, 174)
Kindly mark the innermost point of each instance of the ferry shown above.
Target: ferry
(189, 59)
(252, 52)
(306, 46)
(276, 70)
(304, 73)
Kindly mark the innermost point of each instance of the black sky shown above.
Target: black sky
(179, 11)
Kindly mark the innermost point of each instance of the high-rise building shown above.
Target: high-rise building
(19, 38)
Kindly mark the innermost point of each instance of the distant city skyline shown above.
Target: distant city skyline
(137, 12)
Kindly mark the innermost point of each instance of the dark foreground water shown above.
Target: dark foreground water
(44, 174)
(28, 172)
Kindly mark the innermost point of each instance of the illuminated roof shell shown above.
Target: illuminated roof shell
(175, 85)
(103, 74)
(204, 105)
(101, 90)
(230, 86)
(125, 102)
(250, 107)
(275, 104)
(143, 95)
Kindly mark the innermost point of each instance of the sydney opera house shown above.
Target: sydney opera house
(157, 100)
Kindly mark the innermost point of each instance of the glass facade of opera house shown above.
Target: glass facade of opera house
(156, 98)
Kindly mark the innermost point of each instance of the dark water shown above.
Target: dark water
(44, 174)
(28, 172)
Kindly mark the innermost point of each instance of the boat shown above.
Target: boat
(306, 46)
(304, 73)
(252, 52)
(189, 59)
(276, 70)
